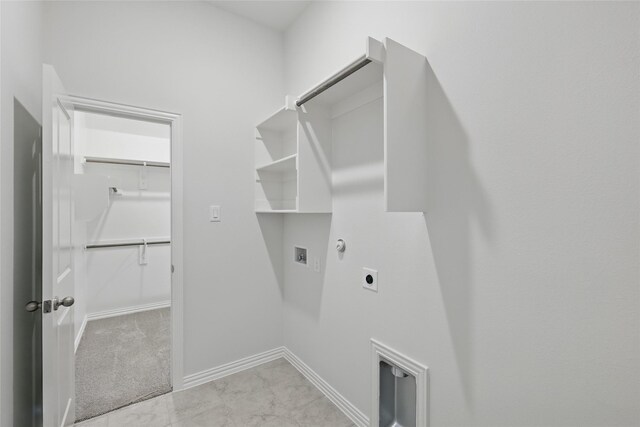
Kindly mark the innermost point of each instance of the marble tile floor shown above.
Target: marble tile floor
(273, 394)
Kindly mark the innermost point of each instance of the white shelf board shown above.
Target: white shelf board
(282, 120)
(275, 205)
(286, 164)
(291, 211)
(357, 82)
(276, 211)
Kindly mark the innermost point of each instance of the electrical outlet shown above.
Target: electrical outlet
(370, 279)
(316, 265)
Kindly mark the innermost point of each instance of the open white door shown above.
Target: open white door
(58, 375)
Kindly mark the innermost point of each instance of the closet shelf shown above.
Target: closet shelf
(303, 131)
(286, 164)
(128, 162)
(282, 120)
(276, 211)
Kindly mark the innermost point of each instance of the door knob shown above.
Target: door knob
(66, 302)
(32, 306)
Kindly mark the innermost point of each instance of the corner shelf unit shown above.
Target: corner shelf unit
(293, 150)
(277, 160)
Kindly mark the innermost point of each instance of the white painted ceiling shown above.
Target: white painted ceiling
(274, 14)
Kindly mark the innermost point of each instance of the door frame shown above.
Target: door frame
(174, 120)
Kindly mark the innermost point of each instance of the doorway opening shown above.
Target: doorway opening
(122, 229)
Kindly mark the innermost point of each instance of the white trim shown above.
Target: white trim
(177, 236)
(127, 310)
(123, 110)
(380, 352)
(232, 367)
(348, 408)
(79, 335)
(177, 255)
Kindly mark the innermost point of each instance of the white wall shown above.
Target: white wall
(21, 78)
(112, 279)
(519, 288)
(223, 74)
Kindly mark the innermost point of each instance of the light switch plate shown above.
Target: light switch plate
(142, 179)
(370, 279)
(214, 213)
(142, 255)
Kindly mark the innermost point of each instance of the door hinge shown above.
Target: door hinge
(173, 269)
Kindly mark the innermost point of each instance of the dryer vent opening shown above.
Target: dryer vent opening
(397, 397)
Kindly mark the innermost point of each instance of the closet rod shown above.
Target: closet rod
(123, 244)
(333, 80)
(126, 162)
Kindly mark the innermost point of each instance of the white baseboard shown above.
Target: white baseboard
(353, 413)
(127, 310)
(349, 409)
(80, 332)
(232, 367)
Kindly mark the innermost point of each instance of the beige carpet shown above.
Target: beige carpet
(122, 360)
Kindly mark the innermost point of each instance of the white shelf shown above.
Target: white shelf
(276, 158)
(286, 164)
(276, 211)
(276, 205)
(280, 121)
